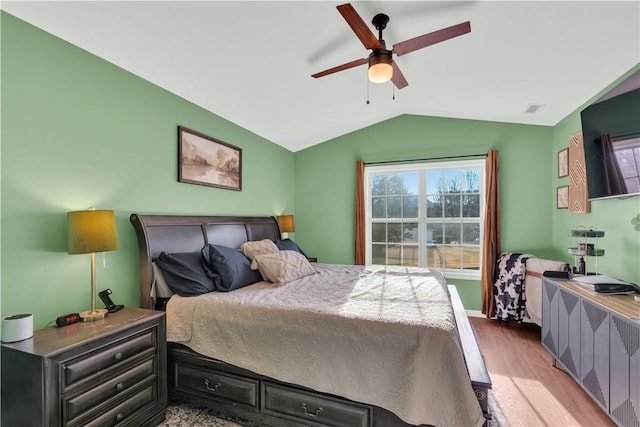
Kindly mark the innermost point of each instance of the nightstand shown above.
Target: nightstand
(107, 372)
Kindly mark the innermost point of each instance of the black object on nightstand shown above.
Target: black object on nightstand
(108, 303)
(67, 319)
(107, 372)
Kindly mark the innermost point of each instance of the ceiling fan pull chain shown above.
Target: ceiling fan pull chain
(393, 93)
(367, 91)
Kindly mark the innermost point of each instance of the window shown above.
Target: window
(426, 215)
(628, 157)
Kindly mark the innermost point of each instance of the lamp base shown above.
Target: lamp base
(90, 316)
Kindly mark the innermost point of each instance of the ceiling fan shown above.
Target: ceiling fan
(382, 67)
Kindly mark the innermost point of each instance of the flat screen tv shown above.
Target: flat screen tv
(611, 138)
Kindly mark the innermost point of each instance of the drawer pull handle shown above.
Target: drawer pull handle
(311, 414)
(120, 416)
(119, 386)
(118, 356)
(214, 388)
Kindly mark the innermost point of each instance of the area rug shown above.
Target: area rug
(185, 415)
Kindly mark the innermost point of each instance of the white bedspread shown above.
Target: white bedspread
(375, 335)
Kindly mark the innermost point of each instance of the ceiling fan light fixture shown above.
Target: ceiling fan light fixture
(380, 72)
(380, 68)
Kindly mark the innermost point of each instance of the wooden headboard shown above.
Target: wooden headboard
(181, 233)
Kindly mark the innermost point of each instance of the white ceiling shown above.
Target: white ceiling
(250, 62)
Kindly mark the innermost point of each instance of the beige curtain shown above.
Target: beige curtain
(360, 220)
(613, 180)
(491, 243)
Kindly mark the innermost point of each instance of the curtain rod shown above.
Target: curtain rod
(430, 158)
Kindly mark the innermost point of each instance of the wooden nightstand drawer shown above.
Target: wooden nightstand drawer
(313, 409)
(120, 414)
(223, 386)
(77, 405)
(100, 360)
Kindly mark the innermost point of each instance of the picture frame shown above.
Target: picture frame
(203, 160)
(562, 197)
(563, 162)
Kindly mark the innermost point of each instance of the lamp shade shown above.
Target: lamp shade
(287, 224)
(92, 231)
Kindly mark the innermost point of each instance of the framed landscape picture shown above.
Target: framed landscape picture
(204, 160)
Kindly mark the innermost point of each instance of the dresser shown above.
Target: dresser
(110, 372)
(596, 338)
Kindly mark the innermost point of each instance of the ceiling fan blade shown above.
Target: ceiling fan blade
(398, 78)
(358, 26)
(341, 67)
(425, 40)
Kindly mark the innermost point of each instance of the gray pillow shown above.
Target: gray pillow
(185, 273)
(160, 288)
(228, 268)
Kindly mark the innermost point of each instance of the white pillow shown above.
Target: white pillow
(260, 247)
(159, 287)
(282, 266)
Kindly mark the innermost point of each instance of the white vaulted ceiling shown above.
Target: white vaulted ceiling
(250, 62)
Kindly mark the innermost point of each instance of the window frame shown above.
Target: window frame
(421, 168)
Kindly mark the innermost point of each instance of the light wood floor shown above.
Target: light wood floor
(530, 390)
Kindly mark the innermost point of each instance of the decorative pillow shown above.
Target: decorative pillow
(283, 266)
(185, 273)
(228, 268)
(260, 247)
(289, 245)
(160, 287)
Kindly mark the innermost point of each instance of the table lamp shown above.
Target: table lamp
(287, 225)
(92, 231)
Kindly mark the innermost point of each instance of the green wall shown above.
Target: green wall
(621, 241)
(325, 181)
(79, 132)
(325, 189)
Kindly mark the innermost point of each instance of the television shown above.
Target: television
(611, 139)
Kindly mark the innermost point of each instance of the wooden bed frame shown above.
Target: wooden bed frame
(234, 391)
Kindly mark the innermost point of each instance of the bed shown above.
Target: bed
(344, 351)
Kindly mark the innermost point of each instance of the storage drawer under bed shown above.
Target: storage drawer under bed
(312, 409)
(217, 385)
